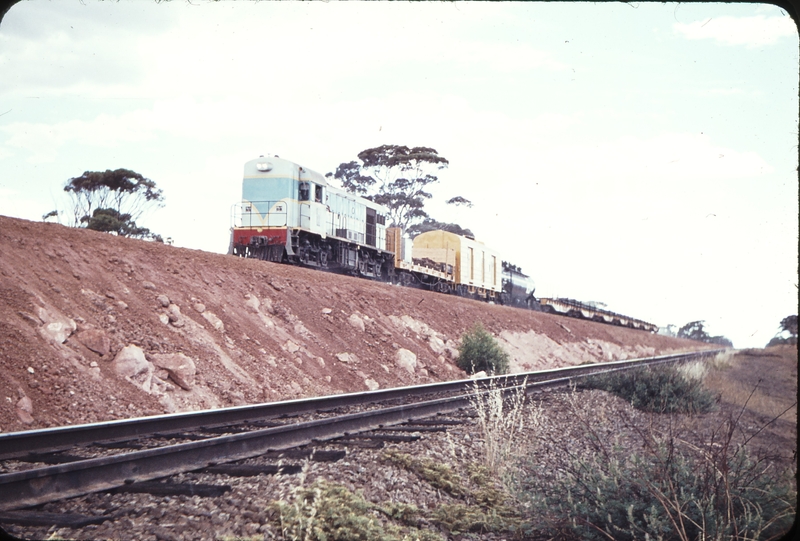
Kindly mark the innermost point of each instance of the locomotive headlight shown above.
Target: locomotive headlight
(264, 166)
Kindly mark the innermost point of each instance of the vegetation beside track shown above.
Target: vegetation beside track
(657, 389)
(696, 475)
(633, 474)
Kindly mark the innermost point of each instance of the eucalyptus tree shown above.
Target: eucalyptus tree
(112, 201)
(395, 176)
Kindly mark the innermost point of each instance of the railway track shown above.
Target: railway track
(128, 456)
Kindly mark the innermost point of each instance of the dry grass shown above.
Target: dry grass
(648, 477)
(725, 379)
(757, 399)
(501, 417)
(696, 370)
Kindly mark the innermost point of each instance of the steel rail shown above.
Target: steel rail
(33, 487)
(51, 483)
(20, 444)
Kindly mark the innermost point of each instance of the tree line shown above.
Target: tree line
(395, 176)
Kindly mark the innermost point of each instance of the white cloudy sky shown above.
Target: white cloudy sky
(642, 155)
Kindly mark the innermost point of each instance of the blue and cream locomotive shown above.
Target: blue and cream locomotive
(290, 213)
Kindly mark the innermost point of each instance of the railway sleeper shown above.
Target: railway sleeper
(173, 489)
(377, 437)
(127, 444)
(362, 444)
(427, 422)
(252, 470)
(411, 428)
(61, 520)
(51, 458)
(316, 455)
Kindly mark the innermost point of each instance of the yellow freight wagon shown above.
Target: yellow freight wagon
(476, 268)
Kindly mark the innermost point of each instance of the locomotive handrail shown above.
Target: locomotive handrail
(253, 210)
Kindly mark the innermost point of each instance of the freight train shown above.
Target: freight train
(290, 214)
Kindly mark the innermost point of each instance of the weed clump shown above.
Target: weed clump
(479, 351)
(481, 508)
(439, 475)
(657, 389)
(501, 418)
(325, 511)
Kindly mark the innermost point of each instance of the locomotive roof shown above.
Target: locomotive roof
(275, 166)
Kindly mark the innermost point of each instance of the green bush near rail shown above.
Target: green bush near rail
(658, 389)
(668, 490)
(479, 351)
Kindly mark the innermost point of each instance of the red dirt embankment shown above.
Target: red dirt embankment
(96, 327)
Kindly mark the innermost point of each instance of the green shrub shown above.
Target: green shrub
(479, 351)
(659, 389)
(664, 492)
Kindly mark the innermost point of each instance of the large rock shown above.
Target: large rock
(436, 344)
(56, 326)
(174, 312)
(95, 339)
(346, 358)
(181, 369)
(214, 320)
(356, 322)
(24, 410)
(252, 303)
(130, 361)
(406, 359)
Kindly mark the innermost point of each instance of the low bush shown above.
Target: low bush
(479, 351)
(659, 389)
(668, 490)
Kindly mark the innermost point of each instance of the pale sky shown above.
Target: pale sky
(642, 155)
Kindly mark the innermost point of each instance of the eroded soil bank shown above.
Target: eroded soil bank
(95, 327)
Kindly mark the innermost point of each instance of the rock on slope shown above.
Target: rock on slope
(96, 327)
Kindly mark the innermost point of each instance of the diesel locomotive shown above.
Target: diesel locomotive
(290, 214)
